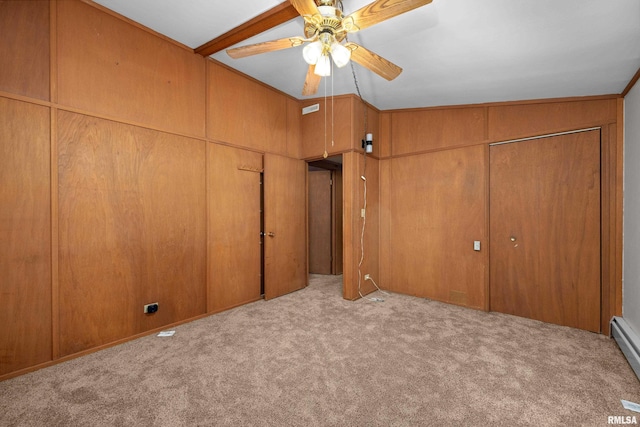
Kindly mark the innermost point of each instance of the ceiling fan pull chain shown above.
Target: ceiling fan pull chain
(325, 155)
(332, 116)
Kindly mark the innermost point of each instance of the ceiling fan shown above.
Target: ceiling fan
(325, 30)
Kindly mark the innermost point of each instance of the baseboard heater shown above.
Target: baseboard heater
(628, 341)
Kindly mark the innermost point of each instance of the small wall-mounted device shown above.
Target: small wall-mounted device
(150, 308)
(367, 143)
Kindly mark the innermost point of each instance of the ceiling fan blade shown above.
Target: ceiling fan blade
(305, 7)
(254, 49)
(381, 10)
(373, 62)
(312, 82)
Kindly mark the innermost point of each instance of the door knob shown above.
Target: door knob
(513, 239)
(271, 234)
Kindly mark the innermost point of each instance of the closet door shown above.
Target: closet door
(545, 229)
(285, 219)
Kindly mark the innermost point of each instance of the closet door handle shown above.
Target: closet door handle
(271, 234)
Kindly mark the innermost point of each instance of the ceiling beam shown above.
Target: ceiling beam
(280, 14)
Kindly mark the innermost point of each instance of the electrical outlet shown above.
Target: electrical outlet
(150, 308)
(367, 276)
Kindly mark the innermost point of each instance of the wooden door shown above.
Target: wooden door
(320, 222)
(545, 229)
(285, 219)
(234, 227)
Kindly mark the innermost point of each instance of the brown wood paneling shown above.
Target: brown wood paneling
(545, 229)
(436, 211)
(338, 244)
(417, 131)
(234, 227)
(245, 112)
(24, 31)
(285, 219)
(385, 223)
(131, 230)
(370, 262)
(25, 233)
(353, 169)
(335, 124)
(110, 67)
(294, 129)
(320, 222)
(523, 120)
(384, 139)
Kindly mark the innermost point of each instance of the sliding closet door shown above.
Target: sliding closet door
(545, 229)
(285, 218)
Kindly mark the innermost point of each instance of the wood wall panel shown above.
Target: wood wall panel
(436, 211)
(244, 112)
(415, 131)
(234, 227)
(131, 230)
(25, 236)
(384, 139)
(294, 129)
(352, 169)
(324, 126)
(110, 67)
(512, 121)
(24, 31)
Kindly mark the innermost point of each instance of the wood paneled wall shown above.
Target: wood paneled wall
(435, 209)
(103, 177)
(414, 131)
(107, 188)
(24, 31)
(132, 230)
(249, 114)
(331, 127)
(419, 152)
(25, 236)
(112, 68)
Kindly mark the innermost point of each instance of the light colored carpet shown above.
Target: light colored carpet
(313, 359)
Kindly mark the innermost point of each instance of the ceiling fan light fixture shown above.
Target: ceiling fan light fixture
(312, 52)
(340, 54)
(323, 67)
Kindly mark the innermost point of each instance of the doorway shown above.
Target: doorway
(325, 216)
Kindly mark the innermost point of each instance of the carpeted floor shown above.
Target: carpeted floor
(313, 359)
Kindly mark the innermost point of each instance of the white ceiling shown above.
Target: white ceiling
(452, 51)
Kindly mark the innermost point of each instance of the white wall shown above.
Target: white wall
(631, 252)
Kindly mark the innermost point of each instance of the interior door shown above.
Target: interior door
(545, 229)
(234, 227)
(285, 222)
(320, 221)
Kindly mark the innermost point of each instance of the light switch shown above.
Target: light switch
(476, 245)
